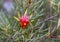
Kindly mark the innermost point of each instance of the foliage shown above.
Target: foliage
(43, 21)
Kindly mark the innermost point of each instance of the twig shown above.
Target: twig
(52, 17)
(35, 27)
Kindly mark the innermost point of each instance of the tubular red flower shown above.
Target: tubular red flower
(24, 21)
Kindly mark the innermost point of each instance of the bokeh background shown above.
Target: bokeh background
(44, 22)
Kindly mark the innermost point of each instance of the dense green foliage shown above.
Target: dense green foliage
(44, 21)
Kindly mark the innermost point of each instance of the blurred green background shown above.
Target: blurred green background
(44, 21)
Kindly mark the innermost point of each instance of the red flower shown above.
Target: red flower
(24, 21)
